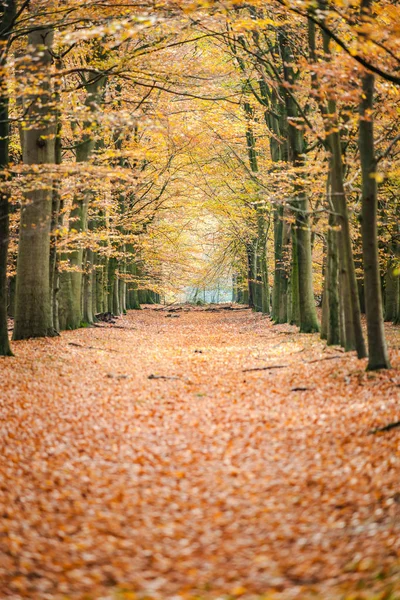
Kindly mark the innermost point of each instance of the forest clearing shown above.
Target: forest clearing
(156, 459)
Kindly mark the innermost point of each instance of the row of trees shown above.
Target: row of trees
(74, 160)
(292, 71)
(136, 141)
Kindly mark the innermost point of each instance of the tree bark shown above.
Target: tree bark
(333, 333)
(353, 329)
(378, 355)
(325, 299)
(88, 276)
(307, 309)
(280, 292)
(294, 283)
(6, 20)
(392, 282)
(250, 274)
(33, 310)
(353, 338)
(71, 281)
(57, 205)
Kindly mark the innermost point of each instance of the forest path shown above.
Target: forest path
(147, 458)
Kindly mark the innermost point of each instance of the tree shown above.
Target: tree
(7, 16)
(33, 310)
(378, 356)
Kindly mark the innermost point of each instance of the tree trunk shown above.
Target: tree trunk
(54, 260)
(307, 309)
(33, 310)
(94, 286)
(133, 296)
(276, 121)
(308, 313)
(378, 355)
(294, 283)
(11, 296)
(278, 232)
(72, 280)
(262, 304)
(325, 298)
(6, 20)
(280, 291)
(250, 274)
(333, 333)
(101, 285)
(88, 316)
(391, 292)
(55, 216)
(265, 296)
(342, 327)
(358, 264)
(396, 321)
(113, 287)
(122, 288)
(354, 334)
(353, 338)
(284, 270)
(258, 280)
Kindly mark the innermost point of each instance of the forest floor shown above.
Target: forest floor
(205, 455)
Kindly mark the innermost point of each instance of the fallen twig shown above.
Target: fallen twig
(222, 308)
(91, 347)
(388, 427)
(161, 377)
(320, 359)
(264, 368)
(166, 307)
(112, 326)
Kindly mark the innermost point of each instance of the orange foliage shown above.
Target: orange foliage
(212, 477)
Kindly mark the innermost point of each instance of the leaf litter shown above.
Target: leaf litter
(147, 469)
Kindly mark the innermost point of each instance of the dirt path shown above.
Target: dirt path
(151, 458)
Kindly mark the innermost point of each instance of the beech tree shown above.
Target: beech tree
(33, 311)
(7, 17)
